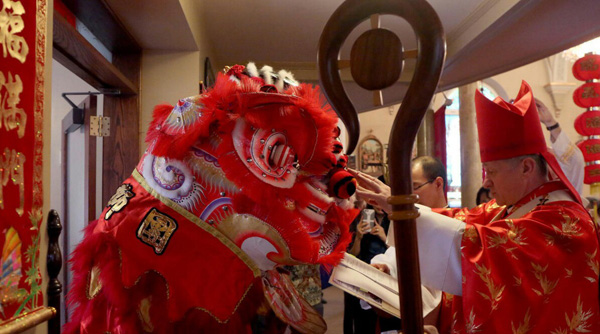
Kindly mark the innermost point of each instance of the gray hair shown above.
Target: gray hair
(539, 161)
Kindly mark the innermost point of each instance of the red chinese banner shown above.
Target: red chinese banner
(22, 57)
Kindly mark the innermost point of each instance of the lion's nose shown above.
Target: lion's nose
(341, 184)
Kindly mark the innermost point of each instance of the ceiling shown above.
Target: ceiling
(289, 31)
(484, 37)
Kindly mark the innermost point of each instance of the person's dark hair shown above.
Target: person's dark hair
(432, 168)
(480, 192)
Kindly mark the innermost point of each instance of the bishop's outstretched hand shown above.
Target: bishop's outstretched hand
(372, 190)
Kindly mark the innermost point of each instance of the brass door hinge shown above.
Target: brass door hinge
(99, 126)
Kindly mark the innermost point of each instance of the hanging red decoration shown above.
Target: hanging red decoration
(590, 149)
(588, 123)
(592, 174)
(587, 67)
(587, 95)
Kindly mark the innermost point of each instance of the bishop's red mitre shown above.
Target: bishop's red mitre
(508, 130)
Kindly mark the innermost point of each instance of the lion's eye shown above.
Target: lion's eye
(281, 156)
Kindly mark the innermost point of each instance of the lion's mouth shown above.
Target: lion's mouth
(320, 204)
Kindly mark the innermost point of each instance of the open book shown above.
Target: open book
(367, 283)
(375, 287)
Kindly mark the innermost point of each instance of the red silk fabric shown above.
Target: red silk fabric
(533, 274)
(176, 280)
(22, 62)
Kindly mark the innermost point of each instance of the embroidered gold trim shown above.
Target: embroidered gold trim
(27, 320)
(141, 275)
(234, 310)
(169, 296)
(94, 285)
(39, 104)
(144, 314)
(200, 223)
(568, 153)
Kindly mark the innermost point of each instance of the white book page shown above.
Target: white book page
(375, 287)
(359, 274)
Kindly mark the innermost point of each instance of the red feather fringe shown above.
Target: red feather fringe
(227, 101)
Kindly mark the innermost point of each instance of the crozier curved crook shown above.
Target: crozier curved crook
(431, 53)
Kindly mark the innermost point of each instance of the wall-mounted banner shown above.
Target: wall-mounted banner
(22, 57)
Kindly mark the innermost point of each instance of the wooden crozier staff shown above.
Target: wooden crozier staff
(376, 63)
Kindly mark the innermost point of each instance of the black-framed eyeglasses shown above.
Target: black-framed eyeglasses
(421, 185)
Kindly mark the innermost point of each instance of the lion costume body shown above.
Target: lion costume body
(234, 183)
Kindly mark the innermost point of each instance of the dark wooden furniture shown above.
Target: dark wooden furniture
(369, 63)
(54, 264)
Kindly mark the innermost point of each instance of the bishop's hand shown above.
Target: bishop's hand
(372, 190)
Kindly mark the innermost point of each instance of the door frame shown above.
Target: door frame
(78, 116)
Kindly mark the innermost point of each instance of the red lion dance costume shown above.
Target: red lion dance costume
(235, 182)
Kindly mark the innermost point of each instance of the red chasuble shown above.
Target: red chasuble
(533, 269)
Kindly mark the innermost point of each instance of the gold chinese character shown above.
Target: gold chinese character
(11, 169)
(119, 200)
(11, 24)
(156, 229)
(593, 149)
(593, 122)
(589, 65)
(12, 116)
(589, 93)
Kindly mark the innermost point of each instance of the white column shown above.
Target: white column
(470, 174)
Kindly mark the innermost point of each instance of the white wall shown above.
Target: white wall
(194, 14)
(378, 123)
(169, 75)
(166, 77)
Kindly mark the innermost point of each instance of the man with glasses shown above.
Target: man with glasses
(429, 181)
